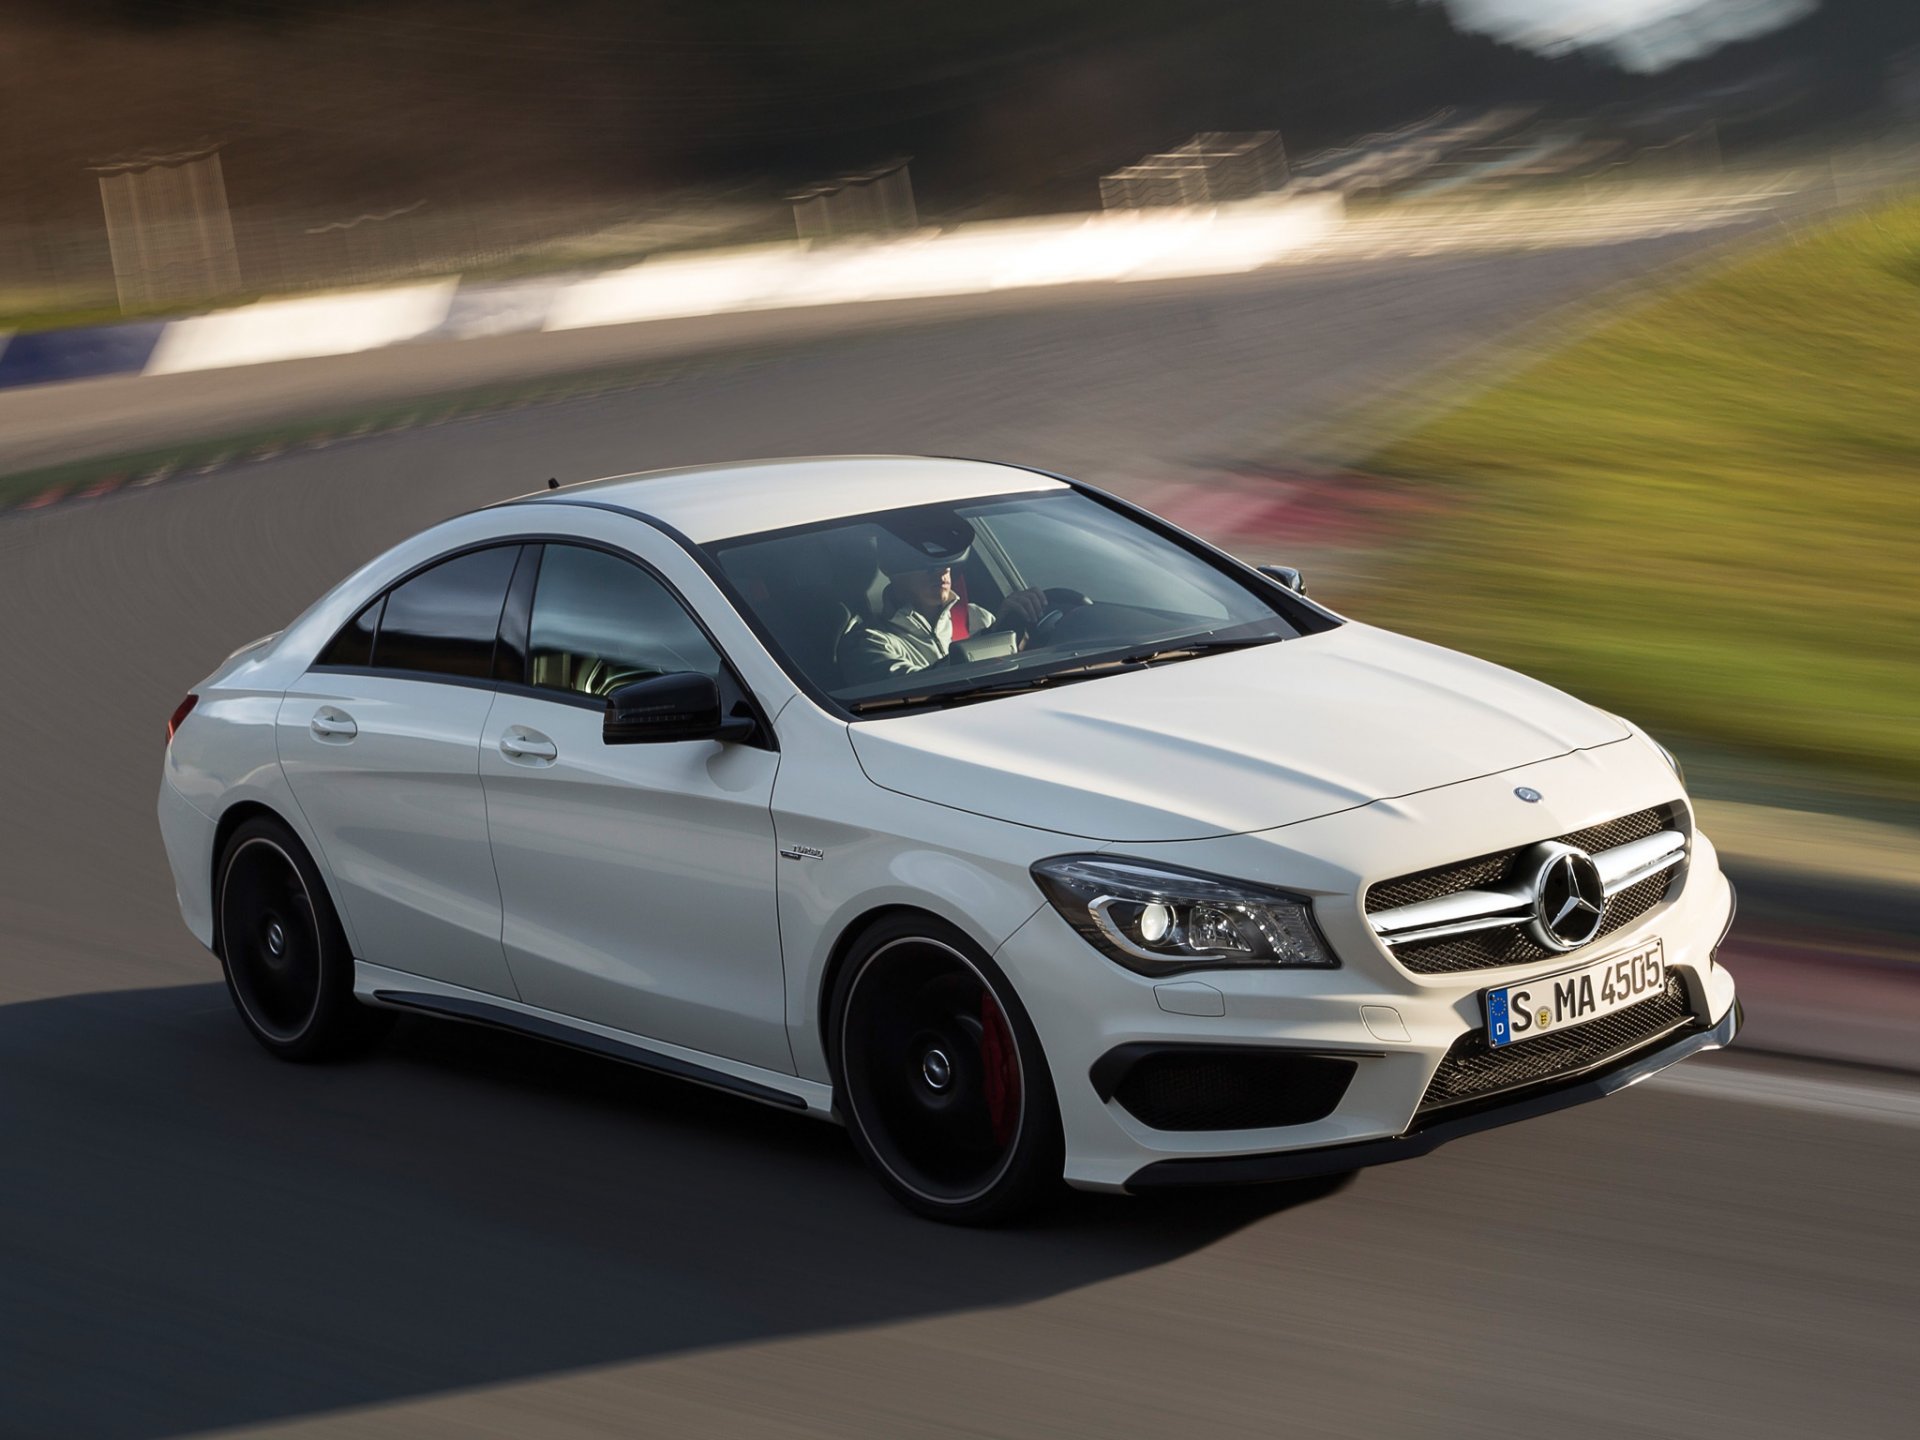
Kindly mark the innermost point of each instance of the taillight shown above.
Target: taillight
(184, 709)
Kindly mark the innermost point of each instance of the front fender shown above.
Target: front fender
(850, 849)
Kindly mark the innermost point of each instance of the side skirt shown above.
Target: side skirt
(396, 990)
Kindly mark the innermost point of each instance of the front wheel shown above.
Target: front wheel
(940, 1076)
(287, 963)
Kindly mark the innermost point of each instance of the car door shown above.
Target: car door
(380, 742)
(637, 880)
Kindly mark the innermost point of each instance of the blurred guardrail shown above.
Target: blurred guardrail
(969, 259)
(65, 271)
(448, 276)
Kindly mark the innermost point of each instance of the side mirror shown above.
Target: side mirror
(1287, 576)
(663, 708)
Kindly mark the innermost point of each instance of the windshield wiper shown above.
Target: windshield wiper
(1194, 649)
(1110, 665)
(969, 694)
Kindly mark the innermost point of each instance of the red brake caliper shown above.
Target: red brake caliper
(998, 1059)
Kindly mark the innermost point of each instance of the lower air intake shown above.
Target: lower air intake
(1220, 1088)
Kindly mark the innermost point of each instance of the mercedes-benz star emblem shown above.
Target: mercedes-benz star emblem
(1568, 899)
(1528, 794)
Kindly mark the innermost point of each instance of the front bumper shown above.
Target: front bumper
(1630, 1069)
(1390, 1030)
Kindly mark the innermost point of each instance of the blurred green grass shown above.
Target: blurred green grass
(1704, 514)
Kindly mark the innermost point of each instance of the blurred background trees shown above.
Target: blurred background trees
(1021, 103)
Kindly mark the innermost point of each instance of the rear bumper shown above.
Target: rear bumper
(188, 837)
(1627, 1070)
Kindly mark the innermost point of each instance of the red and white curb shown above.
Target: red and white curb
(1302, 505)
(117, 477)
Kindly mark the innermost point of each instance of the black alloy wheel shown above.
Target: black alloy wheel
(287, 963)
(940, 1077)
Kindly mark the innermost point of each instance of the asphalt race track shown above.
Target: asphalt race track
(473, 1235)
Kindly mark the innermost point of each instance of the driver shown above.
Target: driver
(921, 625)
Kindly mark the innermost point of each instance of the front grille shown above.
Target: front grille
(1441, 880)
(1490, 869)
(1490, 949)
(1472, 1069)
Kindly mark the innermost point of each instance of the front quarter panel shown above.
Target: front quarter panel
(878, 850)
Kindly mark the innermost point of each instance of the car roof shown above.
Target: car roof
(717, 502)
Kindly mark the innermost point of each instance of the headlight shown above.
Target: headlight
(1672, 760)
(1156, 919)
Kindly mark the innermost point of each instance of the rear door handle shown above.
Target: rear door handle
(331, 724)
(525, 745)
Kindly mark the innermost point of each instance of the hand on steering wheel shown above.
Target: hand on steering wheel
(1024, 609)
(1058, 600)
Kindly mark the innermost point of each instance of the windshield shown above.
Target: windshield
(949, 604)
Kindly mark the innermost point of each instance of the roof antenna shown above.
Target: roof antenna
(553, 482)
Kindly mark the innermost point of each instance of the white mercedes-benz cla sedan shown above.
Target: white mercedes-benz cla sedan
(1023, 833)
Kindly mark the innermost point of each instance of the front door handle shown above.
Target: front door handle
(526, 745)
(331, 724)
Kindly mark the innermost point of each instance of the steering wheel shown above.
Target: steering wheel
(1064, 602)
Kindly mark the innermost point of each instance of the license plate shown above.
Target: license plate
(1573, 997)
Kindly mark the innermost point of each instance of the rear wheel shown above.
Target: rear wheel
(940, 1076)
(287, 963)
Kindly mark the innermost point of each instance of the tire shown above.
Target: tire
(288, 967)
(940, 1077)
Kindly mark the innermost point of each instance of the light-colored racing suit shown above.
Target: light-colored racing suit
(906, 642)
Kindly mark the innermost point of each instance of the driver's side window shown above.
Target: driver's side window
(600, 622)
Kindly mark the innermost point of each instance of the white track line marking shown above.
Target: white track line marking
(1888, 1104)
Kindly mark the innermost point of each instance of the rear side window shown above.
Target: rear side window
(354, 644)
(444, 620)
(600, 622)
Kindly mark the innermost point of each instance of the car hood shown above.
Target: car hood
(1226, 744)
